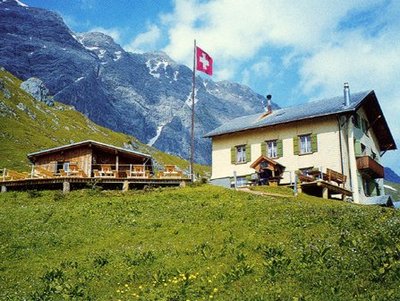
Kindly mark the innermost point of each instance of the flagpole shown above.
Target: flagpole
(192, 129)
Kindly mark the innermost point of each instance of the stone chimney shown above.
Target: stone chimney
(269, 107)
(346, 92)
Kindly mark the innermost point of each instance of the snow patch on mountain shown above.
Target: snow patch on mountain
(390, 187)
(153, 67)
(21, 4)
(154, 139)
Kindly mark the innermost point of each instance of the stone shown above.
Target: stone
(35, 87)
(66, 187)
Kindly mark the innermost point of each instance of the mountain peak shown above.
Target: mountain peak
(101, 44)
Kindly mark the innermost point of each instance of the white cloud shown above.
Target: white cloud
(115, 33)
(145, 41)
(326, 42)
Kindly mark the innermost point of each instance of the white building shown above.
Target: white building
(345, 134)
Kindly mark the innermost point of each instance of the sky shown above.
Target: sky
(296, 51)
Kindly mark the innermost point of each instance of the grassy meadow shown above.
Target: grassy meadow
(195, 243)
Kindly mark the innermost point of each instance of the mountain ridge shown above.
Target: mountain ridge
(145, 95)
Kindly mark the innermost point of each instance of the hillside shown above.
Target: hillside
(195, 243)
(27, 125)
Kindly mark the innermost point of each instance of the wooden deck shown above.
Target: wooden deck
(322, 188)
(67, 183)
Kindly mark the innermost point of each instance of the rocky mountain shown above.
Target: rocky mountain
(145, 95)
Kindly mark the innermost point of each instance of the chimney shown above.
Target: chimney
(269, 107)
(346, 92)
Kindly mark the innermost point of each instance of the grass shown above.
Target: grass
(28, 126)
(195, 243)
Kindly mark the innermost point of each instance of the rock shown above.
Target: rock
(35, 87)
(6, 92)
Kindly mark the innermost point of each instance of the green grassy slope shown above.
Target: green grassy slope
(27, 125)
(195, 243)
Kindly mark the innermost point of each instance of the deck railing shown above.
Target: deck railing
(72, 169)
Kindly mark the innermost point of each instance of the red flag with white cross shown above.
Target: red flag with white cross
(204, 62)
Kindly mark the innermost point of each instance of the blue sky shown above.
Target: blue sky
(294, 52)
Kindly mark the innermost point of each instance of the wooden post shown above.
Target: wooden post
(66, 187)
(4, 174)
(33, 171)
(125, 186)
(295, 192)
(117, 162)
(325, 192)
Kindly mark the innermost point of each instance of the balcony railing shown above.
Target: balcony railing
(368, 166)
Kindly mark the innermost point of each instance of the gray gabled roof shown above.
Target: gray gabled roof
(320, 108)
(88, 142)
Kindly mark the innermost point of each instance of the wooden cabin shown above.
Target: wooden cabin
(90, 159)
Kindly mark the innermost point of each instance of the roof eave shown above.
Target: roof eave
(342, 112)
(63, 147)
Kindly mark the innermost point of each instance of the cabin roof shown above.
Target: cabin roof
(265, 158)
(315, 109)
(100, 145)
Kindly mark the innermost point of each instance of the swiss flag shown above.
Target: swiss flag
(204, 62)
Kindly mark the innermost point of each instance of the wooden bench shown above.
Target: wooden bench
(170, 172)
(137, 171)
(335, 176)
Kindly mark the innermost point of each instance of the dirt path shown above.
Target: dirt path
(245, 189)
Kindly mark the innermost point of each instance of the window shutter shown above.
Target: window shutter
(263, 148)
(233, 155)
(357, 148)
(296, 150)
(279, 147)
(248, 153)
(314, 143)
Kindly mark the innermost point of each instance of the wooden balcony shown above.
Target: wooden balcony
(368, 166)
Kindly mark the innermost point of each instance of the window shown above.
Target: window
(363, 149)
(356, 120)
(272, 149)
(62, 165)
(241, 181)
(241, 154)
(364, 126)
(305, 144)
